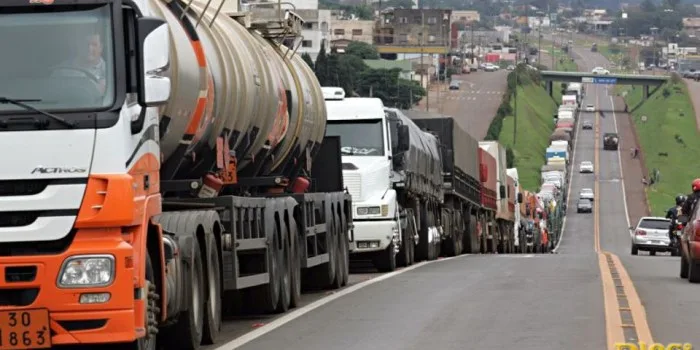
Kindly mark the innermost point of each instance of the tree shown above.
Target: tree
(392, 90)
(362, 12)
(321, 66)
(307, 58)
(362, 50)
(647, 6)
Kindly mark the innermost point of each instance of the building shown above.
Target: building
(691, 25)
(413, 31)
(316, 30)
(344, 31)
(464, 16)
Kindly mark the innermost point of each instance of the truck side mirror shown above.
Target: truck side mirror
(152, 34)
(502, 191)
(404, 138)
(520, 197)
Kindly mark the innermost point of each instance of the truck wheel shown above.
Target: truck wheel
(684, 267)
(323, 275)
(385, 261)
(652, 252)
(284, 257)
(693, 272)
(340, 264)
(187, 332)
(635, 250)
(212, 324)
(404, 256)
(295, 296)
(267, 296)
(344, 253)
(149, 341)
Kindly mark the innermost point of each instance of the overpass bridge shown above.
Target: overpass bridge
(550, 76)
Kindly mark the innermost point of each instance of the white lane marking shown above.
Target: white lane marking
(619, 159)
(257, 333)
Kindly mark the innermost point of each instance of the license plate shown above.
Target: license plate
(28, 329)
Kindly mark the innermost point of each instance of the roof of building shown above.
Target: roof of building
(405, 66)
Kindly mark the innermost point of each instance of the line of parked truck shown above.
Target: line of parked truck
(421, 185)
(544, 211)
(210, 173)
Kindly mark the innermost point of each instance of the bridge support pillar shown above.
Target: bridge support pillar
(646, 92)
(550, 88)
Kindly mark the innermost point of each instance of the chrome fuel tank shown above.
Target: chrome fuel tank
(230, 80)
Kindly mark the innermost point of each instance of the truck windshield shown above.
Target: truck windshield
(358, 137)
(62, 57)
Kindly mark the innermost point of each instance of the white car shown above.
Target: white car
(586, 193)
(590, 108)
(651, 234)
(585, 167)
(600, 70)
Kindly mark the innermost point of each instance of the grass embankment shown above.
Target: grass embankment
(534, 112)
(668, 139)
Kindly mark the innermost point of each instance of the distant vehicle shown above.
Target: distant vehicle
(651, 234)
(584, 206)
(585, 167)
(454, 85)
(587, 125)
(590, 108)
(490, 67)
(594, 47)
(600, 70)
(610, 141)
(510, 67)
(586, 193)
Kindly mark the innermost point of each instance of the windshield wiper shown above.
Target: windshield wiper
(21, 103)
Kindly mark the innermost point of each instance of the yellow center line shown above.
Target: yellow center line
(613, 319)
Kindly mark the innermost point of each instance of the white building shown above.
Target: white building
(316, 27)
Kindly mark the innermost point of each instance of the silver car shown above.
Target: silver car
(651, 234)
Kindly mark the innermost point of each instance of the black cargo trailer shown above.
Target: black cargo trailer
(460, 157)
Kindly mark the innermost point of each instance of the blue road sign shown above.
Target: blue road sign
(597, 80)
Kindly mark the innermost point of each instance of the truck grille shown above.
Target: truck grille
(22, 187)
(353, 182)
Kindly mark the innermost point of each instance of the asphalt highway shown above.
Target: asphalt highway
(589, 295)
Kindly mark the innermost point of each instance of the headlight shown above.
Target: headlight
(87, 271)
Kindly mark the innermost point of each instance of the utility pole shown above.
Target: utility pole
(423, 70)
(471, 27)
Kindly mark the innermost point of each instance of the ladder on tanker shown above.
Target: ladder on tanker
(269, 18)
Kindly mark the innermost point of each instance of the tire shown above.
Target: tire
(693, 272)
(404, 256)
(684, 267)
(295, 296)
(266, 296)
(324, 275)
(187, 332)
(652, 252)
(152, 309)
(340, 258)
(385, 261)
(212, 310)
(284, 256)
(634, 249)
(344, 253)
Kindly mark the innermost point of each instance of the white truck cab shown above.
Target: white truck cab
(366, 150)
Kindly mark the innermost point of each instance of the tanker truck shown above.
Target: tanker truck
(162, 177)
(392, 170)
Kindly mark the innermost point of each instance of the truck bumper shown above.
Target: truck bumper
(373, 236)
(71, 321)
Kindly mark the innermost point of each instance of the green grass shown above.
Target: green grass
(670, 128)
(534, 110)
